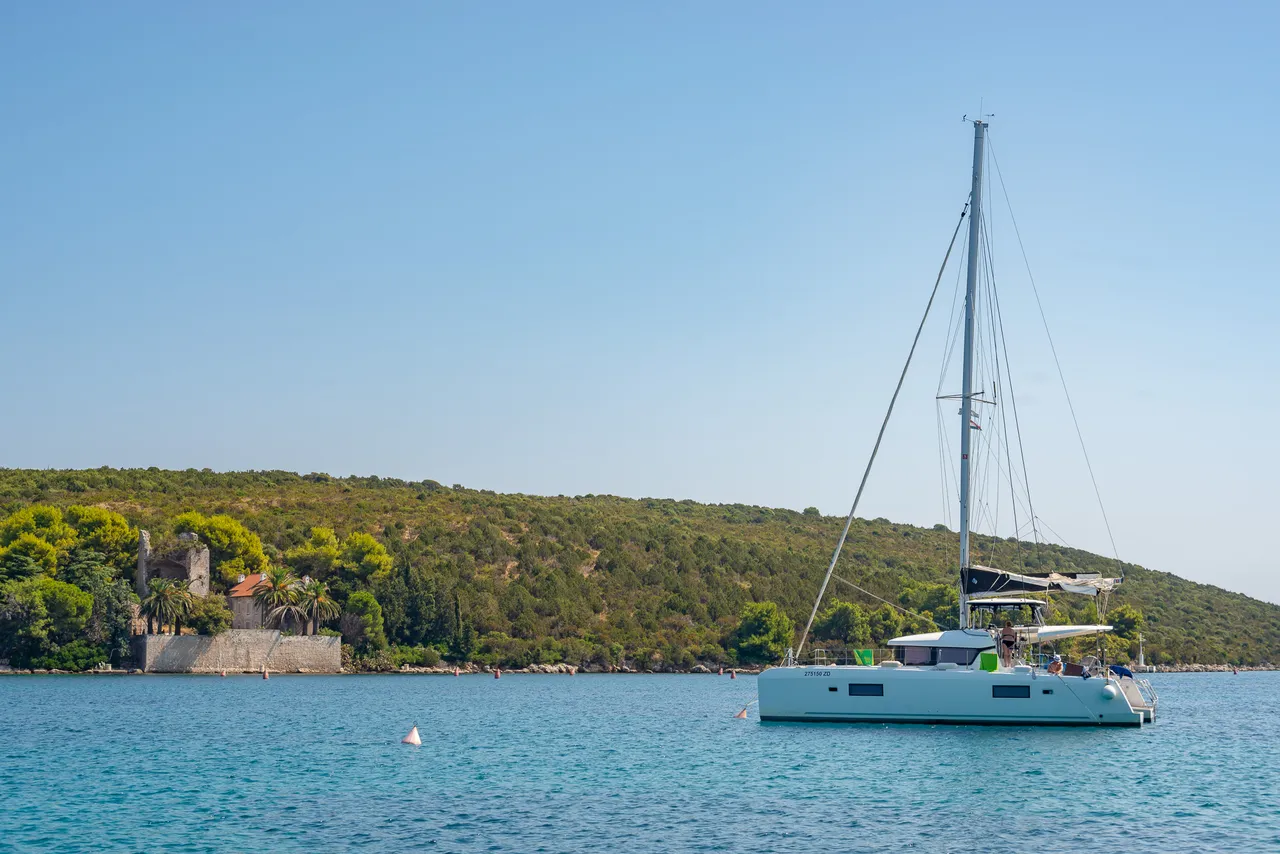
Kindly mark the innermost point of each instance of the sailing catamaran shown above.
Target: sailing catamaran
(956, 676)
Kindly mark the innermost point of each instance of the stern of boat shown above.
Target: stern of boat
(1141, 696)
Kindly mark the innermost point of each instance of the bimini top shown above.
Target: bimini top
(1049, 634)
(981, 639)
(962, 638)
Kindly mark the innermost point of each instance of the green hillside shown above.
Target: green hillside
(601, 578)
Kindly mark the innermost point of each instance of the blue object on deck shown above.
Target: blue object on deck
(1121, 671)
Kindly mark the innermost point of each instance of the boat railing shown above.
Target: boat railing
(839, 656)
(1148, 693)
(1089, 664)
(1094, 667)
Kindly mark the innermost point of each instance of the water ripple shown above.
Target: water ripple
(592, 763)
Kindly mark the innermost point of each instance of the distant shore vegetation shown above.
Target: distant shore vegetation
(419, 573)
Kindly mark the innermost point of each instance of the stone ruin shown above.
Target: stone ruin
(189, 562)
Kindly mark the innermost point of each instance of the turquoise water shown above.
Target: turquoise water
(591, 763)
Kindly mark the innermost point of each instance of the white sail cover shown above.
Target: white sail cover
(979, 581)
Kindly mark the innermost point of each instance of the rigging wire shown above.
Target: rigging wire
(953, 331)
(997, 327)
(942, 464)
(953, 468)
(1001, 347)
(906, 611)
(1013, 404)
(1002, 471)
(844, 535)
(948, 472)
(989, 280)
(1061, 377)
(1061, 538)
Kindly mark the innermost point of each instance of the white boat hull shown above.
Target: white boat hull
(926, 695)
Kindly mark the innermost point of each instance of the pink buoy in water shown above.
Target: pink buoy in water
(412, 737)
(264, 673)
(742, 714)
(457, 672)
(733, 674)
(497, 674)
(721, 671)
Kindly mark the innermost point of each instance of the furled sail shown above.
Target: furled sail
(985, 581)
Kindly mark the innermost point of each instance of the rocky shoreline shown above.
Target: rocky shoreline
(1208, 668)
(569, 670)
(560, 669)
(746, 671)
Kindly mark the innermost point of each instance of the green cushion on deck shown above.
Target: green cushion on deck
(864, 656)
(988, 661)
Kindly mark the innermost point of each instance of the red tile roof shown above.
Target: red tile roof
(245, 588)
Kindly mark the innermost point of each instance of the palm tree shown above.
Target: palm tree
(150, 603)
(317, 604)
(277, 595)
(167, 602)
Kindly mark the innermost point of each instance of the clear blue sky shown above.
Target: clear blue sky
(644, 249)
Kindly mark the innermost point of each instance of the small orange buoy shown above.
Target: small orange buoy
(224, 673)
(412, 737)
(573, 671)
(733, 674)
(742, 714)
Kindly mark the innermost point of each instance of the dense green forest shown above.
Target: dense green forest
(416, 571)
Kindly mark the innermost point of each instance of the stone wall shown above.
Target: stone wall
(238, 651)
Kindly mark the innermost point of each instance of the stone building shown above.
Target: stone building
(189, 562)
(245, 612)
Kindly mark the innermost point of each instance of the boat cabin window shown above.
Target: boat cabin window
(958, 655)
(864, 689)
(1011, 692)
(922, 656)
(927, 656)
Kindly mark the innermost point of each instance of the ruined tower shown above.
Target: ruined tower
(189, 562)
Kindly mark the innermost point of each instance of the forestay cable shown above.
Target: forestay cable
(844, 535)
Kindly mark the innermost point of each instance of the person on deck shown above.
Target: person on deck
(1055, 666)
(1008, 640)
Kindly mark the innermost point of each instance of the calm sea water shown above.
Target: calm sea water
(621, 763)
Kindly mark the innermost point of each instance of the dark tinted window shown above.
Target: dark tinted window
(958, 655)
(861, 689)
(1011, 691)
(918, 655)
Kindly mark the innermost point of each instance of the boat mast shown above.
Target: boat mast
(966, 394)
